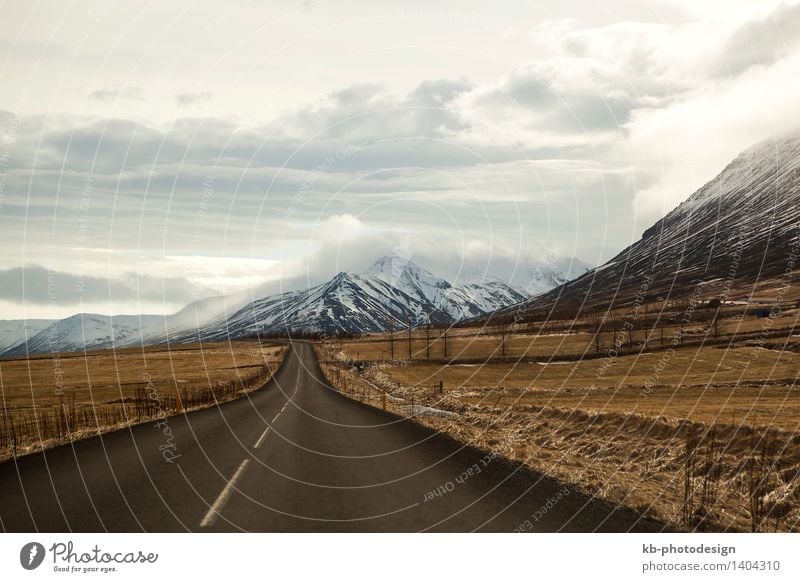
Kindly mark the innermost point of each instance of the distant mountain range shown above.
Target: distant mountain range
(736, 232)
(14, 331)
(392, 294)
(735, 236)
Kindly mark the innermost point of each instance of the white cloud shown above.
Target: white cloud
(189, 99)
(323, 155)
(111, 94)
(677, 149)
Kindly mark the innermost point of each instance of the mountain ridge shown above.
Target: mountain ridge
(736, 232)
(393, 293)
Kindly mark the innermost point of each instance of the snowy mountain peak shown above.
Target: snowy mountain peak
(739, 228)
(478, 276)
(395, 268)
(343, 278)
(416, 282)
(392, 294)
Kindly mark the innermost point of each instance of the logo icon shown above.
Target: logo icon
(31, 555)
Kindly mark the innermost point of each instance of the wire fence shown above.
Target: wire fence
(25, 429)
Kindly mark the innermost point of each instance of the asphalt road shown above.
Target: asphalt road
(294, 455)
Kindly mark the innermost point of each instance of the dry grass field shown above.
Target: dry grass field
(688, 366)
(704, 385)
(49, 399)
(702, 434)
(465, 345)
(569, 339)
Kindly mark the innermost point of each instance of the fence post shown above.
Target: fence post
(383, 400)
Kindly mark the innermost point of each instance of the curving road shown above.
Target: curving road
(293, 456)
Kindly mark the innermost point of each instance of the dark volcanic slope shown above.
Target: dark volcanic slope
(740, 228)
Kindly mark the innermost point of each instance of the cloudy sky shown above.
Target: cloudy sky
(156, 152)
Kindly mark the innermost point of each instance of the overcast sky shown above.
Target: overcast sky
(158, 152)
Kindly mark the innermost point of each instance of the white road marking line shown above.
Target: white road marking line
(260, 440)
(264, 435)
(211, 516)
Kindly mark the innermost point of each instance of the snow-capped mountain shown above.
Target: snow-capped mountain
(392, 294)
(737, 230)
(488, 295)
(541, 278)
(15, 331)
(89, 331)
(530, 276)
(408, 277)
(346, 303)
(454, 301)
(96, 331)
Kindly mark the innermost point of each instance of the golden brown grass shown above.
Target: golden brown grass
(689, 366)
(626, 428)
(461, 346)
(564, 338)
(50, 398)
(104, 376)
